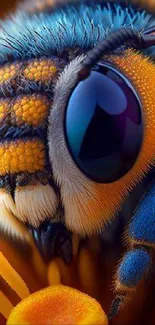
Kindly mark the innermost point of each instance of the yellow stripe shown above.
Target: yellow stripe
(30, 109)
(4, 109)
(40, 70)
(8, 273)
(7, 72)
(22, 156)
(5, 305)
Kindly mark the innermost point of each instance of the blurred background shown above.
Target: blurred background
(9, 5)
(6, 6)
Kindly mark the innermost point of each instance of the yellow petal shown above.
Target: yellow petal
(37, 260)
(9, 274)
(5, 305)
(88, 274)
(58, 305)
(54, 277)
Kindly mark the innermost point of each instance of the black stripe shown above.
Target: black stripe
(26, 131)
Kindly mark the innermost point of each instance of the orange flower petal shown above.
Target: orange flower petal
(58, 305)
(54, 277)
(27, 268)
(88, 273)
(14, 280)
(5, 305)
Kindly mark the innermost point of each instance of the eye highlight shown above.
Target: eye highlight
(103, 125)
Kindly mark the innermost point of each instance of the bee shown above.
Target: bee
(77, 127)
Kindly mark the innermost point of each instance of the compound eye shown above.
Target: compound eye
(103, 125)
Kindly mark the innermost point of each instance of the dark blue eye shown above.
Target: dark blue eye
(103, 125)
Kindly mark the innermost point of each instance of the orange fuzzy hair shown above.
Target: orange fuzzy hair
(141, 72)
(95, 204)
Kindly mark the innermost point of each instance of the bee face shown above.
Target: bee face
(41, 123)
(95, 202)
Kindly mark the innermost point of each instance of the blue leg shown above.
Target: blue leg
(136, 262)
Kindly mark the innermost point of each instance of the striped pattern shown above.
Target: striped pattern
(24, 110)
(33, 75)
(26, 97)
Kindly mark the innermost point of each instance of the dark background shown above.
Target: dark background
(7, 6)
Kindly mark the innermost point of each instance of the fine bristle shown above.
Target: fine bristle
(35, 203)
(8, 221)
(89, 205)
(100, 203)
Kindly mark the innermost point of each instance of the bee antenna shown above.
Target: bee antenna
(111, 43)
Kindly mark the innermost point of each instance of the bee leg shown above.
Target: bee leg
(137, 261)
(131, 271)
(53, 240)
(115, 306)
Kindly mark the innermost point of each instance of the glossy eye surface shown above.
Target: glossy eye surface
(103, 125)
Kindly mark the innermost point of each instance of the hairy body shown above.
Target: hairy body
(42, 48)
